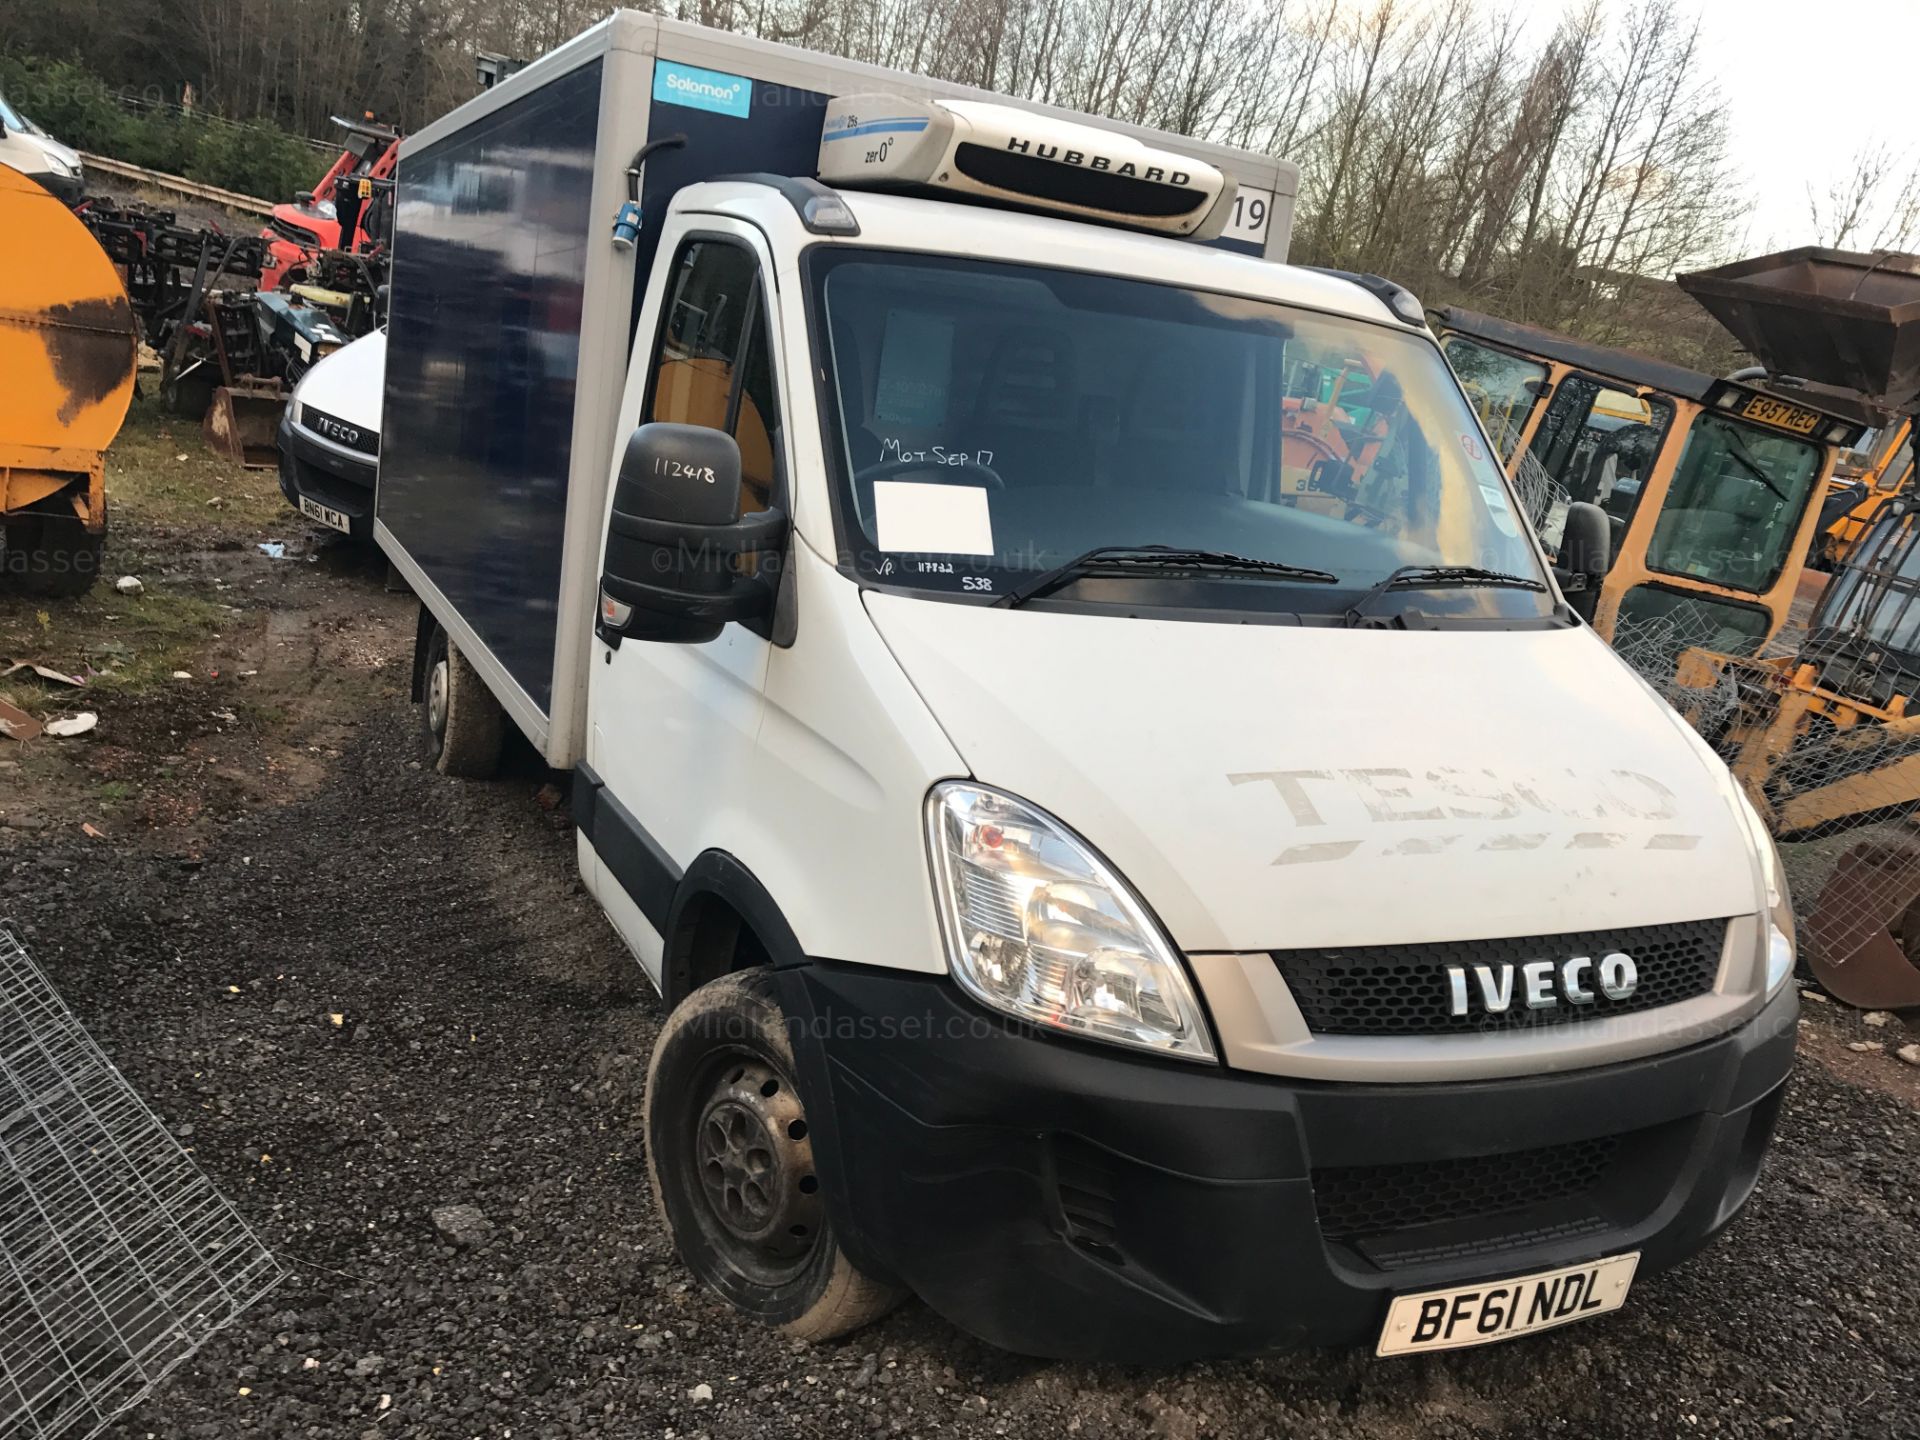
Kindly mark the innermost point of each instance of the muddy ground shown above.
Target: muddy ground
(360, 992)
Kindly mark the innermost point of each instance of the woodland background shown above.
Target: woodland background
(1555, 174)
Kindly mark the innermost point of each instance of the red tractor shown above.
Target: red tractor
(351, 205)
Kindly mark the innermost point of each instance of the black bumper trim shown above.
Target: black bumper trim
(1060, 1200)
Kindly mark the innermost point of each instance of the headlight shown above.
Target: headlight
(1038, 927)
(61, 167)
(1779, 901)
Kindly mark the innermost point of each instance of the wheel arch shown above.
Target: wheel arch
(719, 891)
(719, 910)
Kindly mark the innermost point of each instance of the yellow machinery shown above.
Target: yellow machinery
(1854, 499)
(1827, 739)
(1711, 485)
(66, 379)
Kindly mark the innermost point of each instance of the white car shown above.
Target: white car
(330, 437)
(25, 147)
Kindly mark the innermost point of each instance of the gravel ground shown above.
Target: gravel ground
(490, 1053)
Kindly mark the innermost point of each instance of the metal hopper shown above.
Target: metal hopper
(1832, 317)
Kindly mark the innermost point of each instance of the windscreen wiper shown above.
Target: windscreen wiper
(1439, 577)
(1751, 465)
(1120, 559)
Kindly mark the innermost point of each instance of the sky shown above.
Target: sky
(1802, 100)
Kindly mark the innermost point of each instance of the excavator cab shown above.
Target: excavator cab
(1711, 486)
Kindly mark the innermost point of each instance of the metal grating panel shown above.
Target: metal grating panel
(117, 1256)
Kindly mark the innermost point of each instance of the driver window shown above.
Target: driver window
(712, 367)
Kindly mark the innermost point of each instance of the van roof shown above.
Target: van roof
(904, 222)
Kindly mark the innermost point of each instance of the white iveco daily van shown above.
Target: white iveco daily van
(1138, 845)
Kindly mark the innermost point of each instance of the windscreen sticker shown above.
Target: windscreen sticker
(699, 89)
(914, 518)
(1497, 507)
(916, 369)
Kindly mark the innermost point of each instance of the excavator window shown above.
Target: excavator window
(1504, 388)
(1734, 505)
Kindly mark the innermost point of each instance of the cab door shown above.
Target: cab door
(1599, 442)
(672, 727)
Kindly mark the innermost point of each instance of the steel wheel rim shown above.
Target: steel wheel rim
(758, 1196)
(438, 684)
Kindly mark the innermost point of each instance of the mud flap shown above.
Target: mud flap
(241, 421)
(1867, 915)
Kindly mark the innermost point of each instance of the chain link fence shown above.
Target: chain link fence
(1812, 723)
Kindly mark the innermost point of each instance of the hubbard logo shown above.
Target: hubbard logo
(1087, 159)
(699, 89)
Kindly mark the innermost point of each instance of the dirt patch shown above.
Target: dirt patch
(228, 680)
(1862, 1047)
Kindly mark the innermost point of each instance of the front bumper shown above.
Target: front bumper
(333, 477)
(67, 189)
(1063, 1200)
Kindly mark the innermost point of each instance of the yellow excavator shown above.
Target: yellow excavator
(1711, 485)
(67, 359)
(1825, 738)
(1882, 470)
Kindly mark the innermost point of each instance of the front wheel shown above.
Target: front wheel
(731, 1160)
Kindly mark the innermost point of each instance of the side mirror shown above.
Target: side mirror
(1586, 553)
(678, 564)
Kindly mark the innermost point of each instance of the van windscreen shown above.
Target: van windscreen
(987, 422)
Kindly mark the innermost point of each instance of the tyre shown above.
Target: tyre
(732, 1165)
(51, 557)
(465, 725)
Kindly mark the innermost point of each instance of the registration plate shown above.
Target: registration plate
(1769, 411)
(326, 515)
(1481, 1314)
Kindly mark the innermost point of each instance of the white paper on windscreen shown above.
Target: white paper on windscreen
(912, 517)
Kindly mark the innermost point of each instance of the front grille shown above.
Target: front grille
(295, 234)
(1412, 1253)
(1404, 990)
(363, 438)
(1361, 1200)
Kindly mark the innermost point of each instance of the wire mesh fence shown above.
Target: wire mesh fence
(1812, 722)
(118, 1259)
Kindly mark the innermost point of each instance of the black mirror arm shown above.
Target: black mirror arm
(1582, 591)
